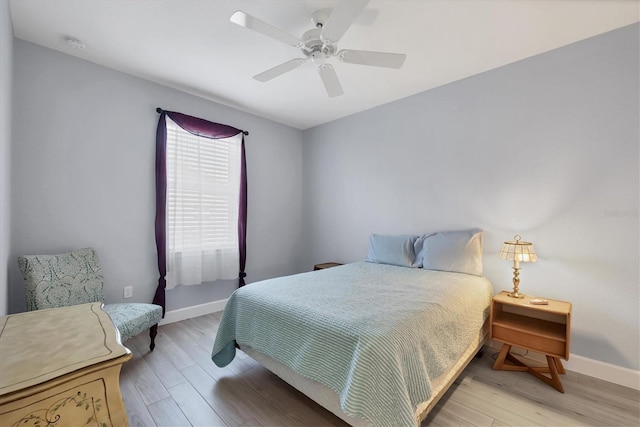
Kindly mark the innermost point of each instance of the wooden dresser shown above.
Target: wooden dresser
(61, 367)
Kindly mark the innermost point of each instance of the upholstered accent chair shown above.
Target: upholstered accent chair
(76, 278)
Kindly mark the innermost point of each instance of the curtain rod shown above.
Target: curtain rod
(160, 110)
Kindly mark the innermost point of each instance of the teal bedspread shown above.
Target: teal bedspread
(375, 334)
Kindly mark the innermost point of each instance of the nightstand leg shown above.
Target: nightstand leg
(554, 367)
(553, 370)
(503, 354)
(559, 365)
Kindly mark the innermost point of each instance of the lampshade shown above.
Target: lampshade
(517, 250)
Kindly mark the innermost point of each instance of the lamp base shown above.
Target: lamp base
(516, 281)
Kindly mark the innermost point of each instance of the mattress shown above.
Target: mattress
(378, 336)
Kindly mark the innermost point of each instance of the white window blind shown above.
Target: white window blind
(203, 189)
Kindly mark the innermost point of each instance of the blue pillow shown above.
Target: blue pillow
(457, 251)
(394, 250)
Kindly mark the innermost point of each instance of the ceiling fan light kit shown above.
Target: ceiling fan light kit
(321, 44)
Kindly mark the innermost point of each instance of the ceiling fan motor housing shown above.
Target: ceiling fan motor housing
(313, 43)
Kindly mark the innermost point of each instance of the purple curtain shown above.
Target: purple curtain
(205, 129)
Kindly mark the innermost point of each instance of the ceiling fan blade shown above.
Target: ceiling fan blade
(330, 80)
(342, 16)
(377, 59)
(255, 24)
(279, 70)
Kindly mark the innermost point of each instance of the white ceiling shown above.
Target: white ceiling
(192, 46)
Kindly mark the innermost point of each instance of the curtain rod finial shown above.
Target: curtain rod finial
(244, 132)
(159, 110)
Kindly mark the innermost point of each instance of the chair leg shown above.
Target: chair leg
(153, 331)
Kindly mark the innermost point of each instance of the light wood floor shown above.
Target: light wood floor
(178, 385)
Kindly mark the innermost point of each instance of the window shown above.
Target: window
(203, 190)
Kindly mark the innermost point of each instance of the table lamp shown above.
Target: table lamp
(517, 251)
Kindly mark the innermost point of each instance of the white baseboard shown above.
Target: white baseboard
(594, 368)
(193, 311)
(604, 371)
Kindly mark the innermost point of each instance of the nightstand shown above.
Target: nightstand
(543, 329)
(325, 265)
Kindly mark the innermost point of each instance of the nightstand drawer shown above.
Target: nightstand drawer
(542, 344)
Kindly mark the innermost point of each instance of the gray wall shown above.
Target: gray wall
(83, 175)
(6, 66)
(547, 147)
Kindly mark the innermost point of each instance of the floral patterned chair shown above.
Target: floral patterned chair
(76, 278)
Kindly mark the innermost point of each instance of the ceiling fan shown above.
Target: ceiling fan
(321, 43)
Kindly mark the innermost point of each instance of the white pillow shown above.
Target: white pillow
(394, 250)
(457, 251)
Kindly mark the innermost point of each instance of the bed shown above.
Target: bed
(375, 343)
